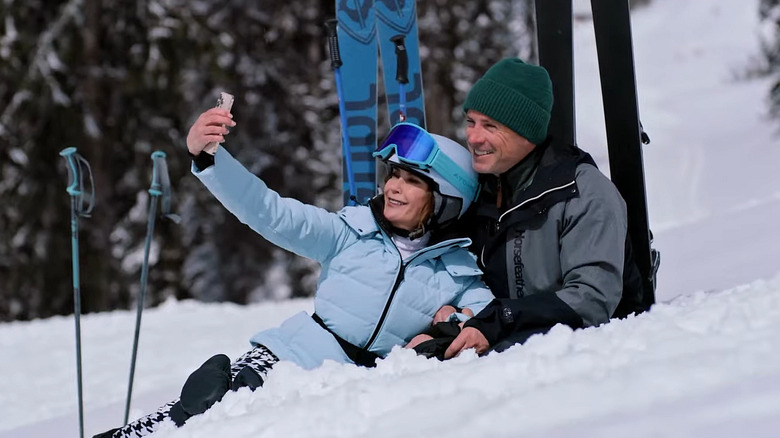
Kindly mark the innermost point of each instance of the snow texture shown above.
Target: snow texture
(705, 362)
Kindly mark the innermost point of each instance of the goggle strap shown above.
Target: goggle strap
(384, 153)
(448, 169)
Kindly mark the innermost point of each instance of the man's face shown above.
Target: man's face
(494, 147)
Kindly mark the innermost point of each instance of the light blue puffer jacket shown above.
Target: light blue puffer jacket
(365, 294)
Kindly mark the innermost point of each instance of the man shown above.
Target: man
(549, 229)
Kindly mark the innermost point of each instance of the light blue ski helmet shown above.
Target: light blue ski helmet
(439, 159)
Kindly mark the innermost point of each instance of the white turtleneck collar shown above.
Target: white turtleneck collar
(408, 246)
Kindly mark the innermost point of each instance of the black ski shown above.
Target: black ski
(612, 24)
(554, 21)
(554, 41)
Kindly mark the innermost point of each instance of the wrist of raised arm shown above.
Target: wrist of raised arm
(202, 161)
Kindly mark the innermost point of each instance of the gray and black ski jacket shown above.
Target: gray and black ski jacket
(555, 252)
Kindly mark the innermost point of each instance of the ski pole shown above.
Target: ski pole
(401, 73)
(81, 204)
(161, 187)
(335, 62)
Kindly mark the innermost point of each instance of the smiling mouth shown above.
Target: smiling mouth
(395, 202)
(482, 153)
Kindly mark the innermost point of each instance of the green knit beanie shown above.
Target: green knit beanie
(515, 94)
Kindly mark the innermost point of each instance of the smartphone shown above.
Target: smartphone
(225, 101)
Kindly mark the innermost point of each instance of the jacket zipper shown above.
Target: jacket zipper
(398, 279)
(498, 222)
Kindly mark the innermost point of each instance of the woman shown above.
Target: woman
(386, 267)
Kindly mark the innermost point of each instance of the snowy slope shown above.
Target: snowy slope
(699, 364)
(702, 365)
(712, 182)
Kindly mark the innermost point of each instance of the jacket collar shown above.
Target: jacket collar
(517, 178)
(553, 180)
(366, 222)
(377, 204)
(360, 220)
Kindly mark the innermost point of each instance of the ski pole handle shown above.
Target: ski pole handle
(69, 154)
(158, 167)
(331, 29)
(161, 184)
(401, 73)
(402, 59)
(76, 189)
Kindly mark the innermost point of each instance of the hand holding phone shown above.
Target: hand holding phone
(225, 101)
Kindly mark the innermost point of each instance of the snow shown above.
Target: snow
(712, 185)
(705, 361)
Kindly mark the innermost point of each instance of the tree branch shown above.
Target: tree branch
(40, 64)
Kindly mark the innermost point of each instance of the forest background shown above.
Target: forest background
(121, 79)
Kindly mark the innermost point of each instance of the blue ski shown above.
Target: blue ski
(399, 18)
(357, 42)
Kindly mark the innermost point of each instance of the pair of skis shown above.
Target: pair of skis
(360, 27)
(625, 136)
(81, 190)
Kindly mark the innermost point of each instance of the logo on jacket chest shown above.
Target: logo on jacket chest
(515, 262)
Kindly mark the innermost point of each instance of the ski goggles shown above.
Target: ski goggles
(415, 147)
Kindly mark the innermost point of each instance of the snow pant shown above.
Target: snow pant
(203, 388)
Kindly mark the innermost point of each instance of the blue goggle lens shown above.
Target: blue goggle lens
(412, 144)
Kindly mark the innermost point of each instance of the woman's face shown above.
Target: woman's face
(407, 198)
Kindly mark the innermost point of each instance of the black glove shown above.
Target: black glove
(247, 377)
(206, 385)
(537, 313)
(443, 334)
(177, 414)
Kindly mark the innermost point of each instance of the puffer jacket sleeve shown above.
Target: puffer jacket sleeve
(304, 229)
(474, 294)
